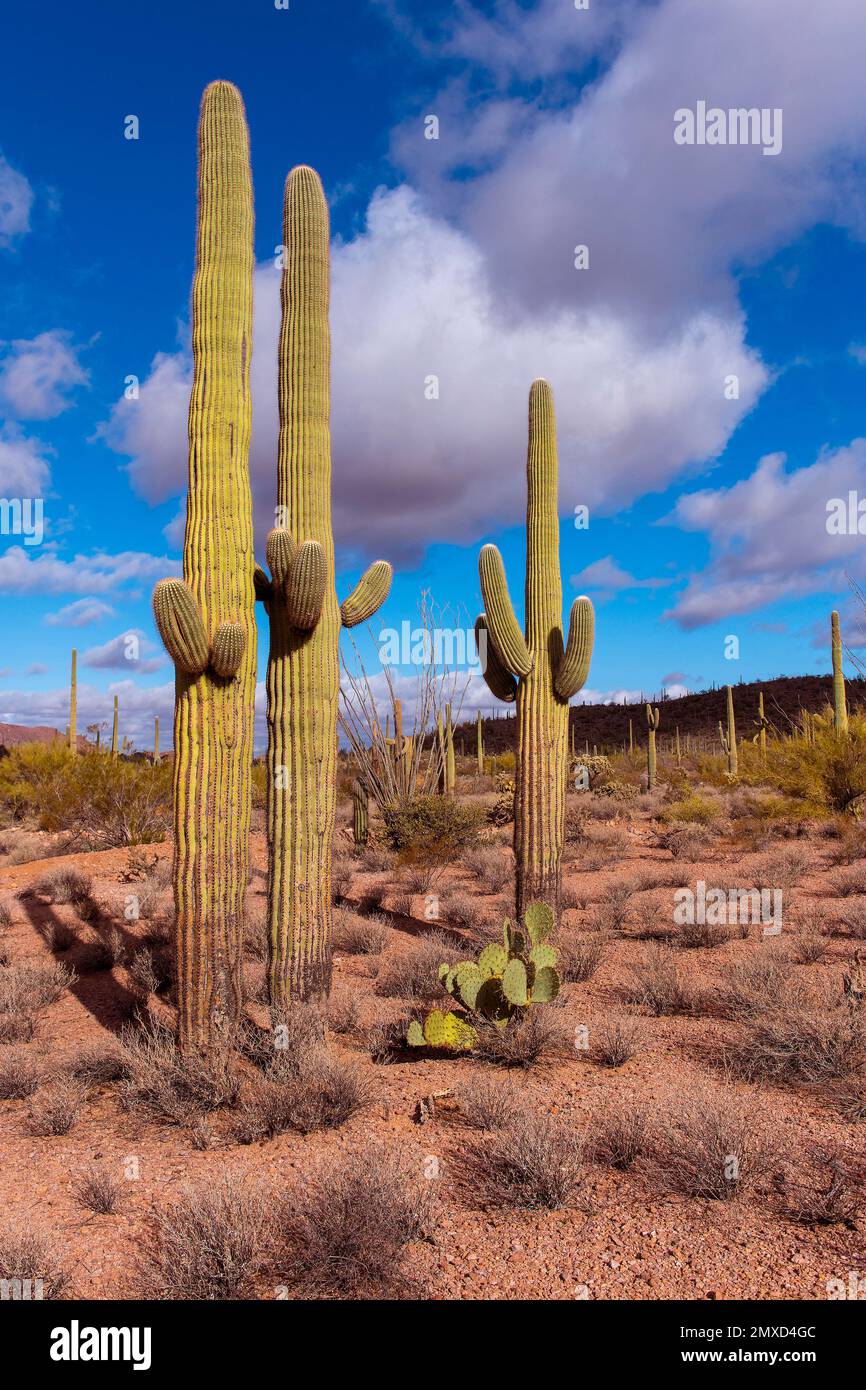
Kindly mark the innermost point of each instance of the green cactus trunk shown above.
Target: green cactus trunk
(450, 766)
(360, 813)
(114, 731)
(630, 739)
(207, 620)
(731, 736)
(71, 734)
(840, 706)
(549, 673)
(762, 727)
(652, 719)
(479, 744)
(303, 678)
(679, 754)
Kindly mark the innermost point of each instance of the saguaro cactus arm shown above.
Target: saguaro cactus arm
(497, 675)
(652, 717)
(180, 626)
(304, 586)
(573, 669)
(368, 594)
(501, 622)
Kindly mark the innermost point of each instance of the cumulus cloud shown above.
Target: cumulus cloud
(128, 651)
(36, 375)
(24, 573)
(605, 577)
(16, 200)
(82, 613)
(769, 536)
(24, 468)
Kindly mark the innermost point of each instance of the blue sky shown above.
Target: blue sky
(452, 258)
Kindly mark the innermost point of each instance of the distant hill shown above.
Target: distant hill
(13, 734)
(606, 726)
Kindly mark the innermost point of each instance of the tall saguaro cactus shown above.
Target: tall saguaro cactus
(729, 736)
(537, 669)
(762, 724)
(114, 731)
(71, 732)
(303, 680)
(652, 720)
(840, 706)
(479, 743)
(207, 619)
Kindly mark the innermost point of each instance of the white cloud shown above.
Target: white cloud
(137, 707)
(22, 573)
(606, 577)
(37, 373)
(81, 613)
(24, 470)
(16, 200)
(769, 537)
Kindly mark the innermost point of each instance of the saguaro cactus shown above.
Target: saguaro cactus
(537, 670)
(479, 744)
(762, 724)
(840, 706)
(652, 720)
(630, 738)
(303, 679)
(71, 734)
(360, 813)
(156, 740)
(450, 766)
(207, 619)
(729, 736)
(114, 731)
(679, 753)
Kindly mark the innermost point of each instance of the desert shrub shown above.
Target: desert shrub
(104, 802)
(798, 1041)
(810, 945)
(343, 1011)
(580, 957)
(412, 972)
(488, 1102)
(438, 825)
(694, 809)
(165, 1085)
(849, 884)
(97, 1190)
(617, 1133)
(97, 1063)
(28, 1255)
(143, 972)
(830, 1191)
(535, 1036)
(57, 1107)
(386, 1042)
(657, 985)
(19, 1074)
(355, 935)
(751, 984)
(693, 936)
(458, 908)
(492, 868)
(6, 913)
(615, 1041)
(66, 885)
(208, 1244)
(323, 1095)
(828, 774)
(344, 1232)
(533, 1161)
(710, 1145)
(25, 990)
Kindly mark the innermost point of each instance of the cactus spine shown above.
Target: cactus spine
(547, 673)
(652, 719)
(207, 619)
(114, 731)
(840, 707)
(360, 813)
(71, 739)
(479, 744)
(303, 678)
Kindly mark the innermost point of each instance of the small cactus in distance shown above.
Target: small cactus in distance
(729, 737)
(479, 744)
(71, 734)
(840, 706)
(499, 986)
(114, 731)
(360, 812)
(450, 767)
(652, 720)
(762, 724)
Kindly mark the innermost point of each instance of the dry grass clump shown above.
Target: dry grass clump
(709, 1145)
(355, 935)
(851, 883)
(97, 1190)
(343, 1012)
(688, 843)
(19, 1074)
(412, 972)
(488, 1102)
(56, 1109)
(615, 1041)
(751, 983)
(344, 1232)
(831, 1191)
(493, 869)
(618, 1133)
(25, 990)
(810, 945)
(67, 886)
(98, 1063)
(209, 1244)
(533, 1160)
(164, 1085)
(32, 1258)
(579, 957)
(537, 1036)
(657, 985)
(7, 916)
(783, 870)
(610, 915)
(324, 1094)
(798, 1041)
(58, 936)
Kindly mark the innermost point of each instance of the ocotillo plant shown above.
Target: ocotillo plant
(207, 619)
(114, 731)
(536, 669)
(729, 736)
(360, 813)
(71, 732)
(652, 720)
(840, 707)
(479, 744)
(303, 680)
